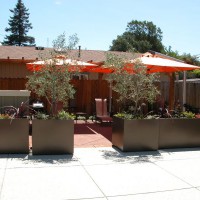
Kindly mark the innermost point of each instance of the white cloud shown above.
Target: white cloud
(58, 2)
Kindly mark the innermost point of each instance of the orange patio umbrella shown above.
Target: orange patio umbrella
(61, 61)
(157, 64)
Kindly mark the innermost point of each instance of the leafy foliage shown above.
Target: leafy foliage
(60, 45)
(140, 36)
(125, 115)
(51, 80)
(21, 112)
(53, 83)
(132, 83)
(5, 116)
(19, 27)
(188, 115)
(40, 115)
(187, 58)
(63, 115)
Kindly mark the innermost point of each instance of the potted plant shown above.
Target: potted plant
(14, 131)
(53, 134)
(180, 130)
(131, 132)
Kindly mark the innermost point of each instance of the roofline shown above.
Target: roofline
(17, 60)
(165, 56)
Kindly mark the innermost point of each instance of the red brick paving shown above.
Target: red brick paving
(90, 135)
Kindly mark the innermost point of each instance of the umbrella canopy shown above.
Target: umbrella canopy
(155, 64)
(61, 61)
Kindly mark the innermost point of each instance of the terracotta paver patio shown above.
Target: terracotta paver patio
(90, 134)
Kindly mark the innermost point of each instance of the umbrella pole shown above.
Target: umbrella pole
(171, 91)
(110, 98)
(184, 89)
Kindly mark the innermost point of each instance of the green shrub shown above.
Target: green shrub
(40, 115)
(4, 116)
(63, 115)
(188, 114)
(127, 116)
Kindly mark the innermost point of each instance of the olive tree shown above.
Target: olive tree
(131, 81)
(52, 79)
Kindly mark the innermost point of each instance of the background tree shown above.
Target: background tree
(187, 58)
(140, 36)
(19, 27)
(59, 44)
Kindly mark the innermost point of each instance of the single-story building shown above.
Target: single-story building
(13, 73)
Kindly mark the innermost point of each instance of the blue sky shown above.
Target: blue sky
(98, 22)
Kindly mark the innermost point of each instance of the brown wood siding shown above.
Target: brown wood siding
(87, 91)
(13, 70)
(12, 83)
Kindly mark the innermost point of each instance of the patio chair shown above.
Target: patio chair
(102, 114)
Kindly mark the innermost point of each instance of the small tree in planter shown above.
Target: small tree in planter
(134, 84)
(52, 81)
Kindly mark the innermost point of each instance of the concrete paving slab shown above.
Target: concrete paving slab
(2, 172)
(94, 199)
(102, 173)
(109, 155)
(3, 160)
(48, 183)
(20, 160)
(122, 179)
(180, 154)
(185, 194)
(187, 169)
(102, 155)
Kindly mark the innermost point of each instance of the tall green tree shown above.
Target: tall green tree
(19, 26)
(140, 36)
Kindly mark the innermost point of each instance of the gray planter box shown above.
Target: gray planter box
(136, 134)
(177, 133)
(52, 136)
(14, 136)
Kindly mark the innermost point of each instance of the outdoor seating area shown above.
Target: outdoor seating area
(104, 110)
(102, 114)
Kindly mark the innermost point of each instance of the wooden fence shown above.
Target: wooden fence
(88, 90)
(192, 93)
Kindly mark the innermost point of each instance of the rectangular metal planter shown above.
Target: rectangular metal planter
(14, 136)
(52, 136)
(177, 133)
(136, 134)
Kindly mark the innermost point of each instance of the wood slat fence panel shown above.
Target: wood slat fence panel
(88, 90)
